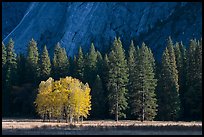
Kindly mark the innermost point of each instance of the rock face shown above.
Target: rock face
(12, 13)
(75, 24)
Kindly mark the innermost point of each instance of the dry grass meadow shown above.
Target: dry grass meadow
(100, 127)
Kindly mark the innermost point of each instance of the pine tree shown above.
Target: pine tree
(65, 62)
(104, 78)
(117, 80)
(142, 94)
(60, 62)
(90, 65)
(193, 94)
(180, 55)
(197, 114)
(99, 64)
(72, 66)
(3, 55)
(105, 70)
(168, 96)
(45, 64)
(11, 64)
(137, 93)
(21, 67)
(33, 68)
(79, 69)
(131, 58)
(132, 67)
(98, 103)
(10, 73)
(56, 64)
(198, 60)
(3, 64)
(150, 110)
(190, 80)
(191, 63)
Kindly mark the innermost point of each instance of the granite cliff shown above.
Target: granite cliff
(75, 24)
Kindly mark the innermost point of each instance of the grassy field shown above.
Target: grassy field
(100, 127)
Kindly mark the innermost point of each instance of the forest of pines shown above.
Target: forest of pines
(124, 85)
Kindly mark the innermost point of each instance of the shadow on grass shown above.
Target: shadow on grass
(104, 130)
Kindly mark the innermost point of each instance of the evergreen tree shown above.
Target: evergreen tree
(105, 70)
(98, 103)
(150, 109)
(197, 114)
(72, 66)
(11, 64)
(10, 73)
(132, 67)
(193, 94)
(104, 78)
(191, 63)
(117, 80)
(168, 96)
(99, 64)
(60, 62)
(33, 68)
(21, 67)
(90, 66)
(65, 62)
(198, 60)
(180, 55)
(79, 69)
(56, 64)
(45, 64)
(3, 55)
(142, 94)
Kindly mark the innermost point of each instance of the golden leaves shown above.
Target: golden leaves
(65, 96)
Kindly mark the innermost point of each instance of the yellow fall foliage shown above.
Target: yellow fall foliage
(65, 98)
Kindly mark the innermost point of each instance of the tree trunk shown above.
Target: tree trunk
(143, 107)
(49, 116)
(43, 117)
(116, 113)
(58, 120)
(66, 119)
(82, 119)
(116, 109)
(70, 119)
(66, 116)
